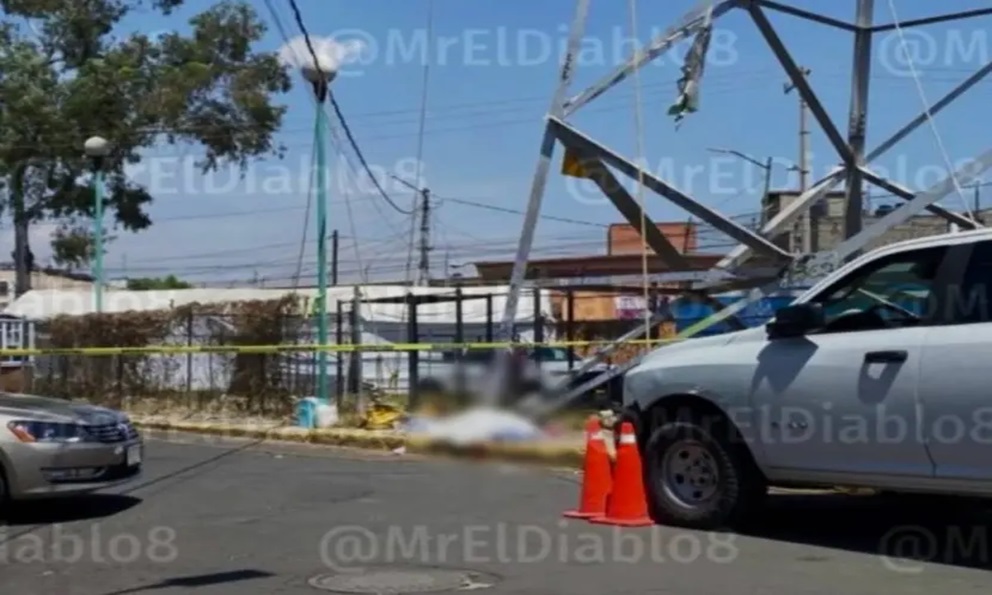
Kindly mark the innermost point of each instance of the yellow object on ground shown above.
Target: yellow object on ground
(382, 416)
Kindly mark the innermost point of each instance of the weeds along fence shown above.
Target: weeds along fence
(260, 382)
(269, 382)
(263, 380)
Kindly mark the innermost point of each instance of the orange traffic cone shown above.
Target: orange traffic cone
(597, 474)
(628, 504)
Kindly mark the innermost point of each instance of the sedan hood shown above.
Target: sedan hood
(57, 410)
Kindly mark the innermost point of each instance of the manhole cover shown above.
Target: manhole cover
(400, 580)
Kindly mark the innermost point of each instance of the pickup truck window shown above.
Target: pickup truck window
(971, 301)
(890, 292)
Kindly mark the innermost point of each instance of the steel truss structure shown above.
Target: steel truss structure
(736, 270)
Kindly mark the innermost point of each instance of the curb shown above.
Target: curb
(553, 455)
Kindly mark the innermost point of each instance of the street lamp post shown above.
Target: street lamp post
(320, 76)
(97, 149)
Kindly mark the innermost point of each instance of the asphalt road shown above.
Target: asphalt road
(236, 518)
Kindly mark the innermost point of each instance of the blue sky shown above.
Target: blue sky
(492, 70)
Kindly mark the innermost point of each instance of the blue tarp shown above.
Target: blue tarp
(687, 313)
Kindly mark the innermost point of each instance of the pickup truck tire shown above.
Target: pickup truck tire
(5, 499)
(698, 479)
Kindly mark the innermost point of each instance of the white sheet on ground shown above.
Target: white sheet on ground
(477, 425)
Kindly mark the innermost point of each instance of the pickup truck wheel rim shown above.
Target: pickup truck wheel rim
(690, 473)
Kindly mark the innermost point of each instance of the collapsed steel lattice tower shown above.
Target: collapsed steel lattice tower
(775, 263)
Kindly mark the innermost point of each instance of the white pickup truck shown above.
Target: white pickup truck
(877, 377)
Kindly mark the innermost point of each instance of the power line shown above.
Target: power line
(422, 195)
(469, 203)
(306, 212)
(385, 259)
(361, 157)
(751, 80)
(306, 36)
(282, 30)
(703, 234)
(298, 16)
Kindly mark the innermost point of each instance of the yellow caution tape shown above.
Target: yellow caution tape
(309, 347)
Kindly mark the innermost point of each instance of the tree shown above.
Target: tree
(67, 73)
(149, 283)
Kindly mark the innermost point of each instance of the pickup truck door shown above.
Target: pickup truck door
(956, 373)
(843, 403)
(843, 400)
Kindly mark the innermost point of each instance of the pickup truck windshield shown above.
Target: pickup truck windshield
(897, 288)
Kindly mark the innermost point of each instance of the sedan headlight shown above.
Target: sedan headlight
(43, 431)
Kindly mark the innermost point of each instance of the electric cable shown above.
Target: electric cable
(420, 193)
(298, 16)
(928, 110)
(306, 213)
(639, 139)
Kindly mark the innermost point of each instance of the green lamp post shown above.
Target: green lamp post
(97, 149)
(320, 75)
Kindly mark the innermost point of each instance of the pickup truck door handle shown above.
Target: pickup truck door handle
(885, 357)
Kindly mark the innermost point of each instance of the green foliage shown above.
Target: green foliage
(68, 72)
(149, 283)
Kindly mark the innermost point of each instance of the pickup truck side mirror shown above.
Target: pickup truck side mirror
(795, 321)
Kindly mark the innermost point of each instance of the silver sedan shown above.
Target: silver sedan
(53, 448)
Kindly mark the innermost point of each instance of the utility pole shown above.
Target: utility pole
(334, 258)
(424, 268)
(425, 237)
(976, 207)
(804, 224)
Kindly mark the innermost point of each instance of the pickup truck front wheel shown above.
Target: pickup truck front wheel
(698, 479)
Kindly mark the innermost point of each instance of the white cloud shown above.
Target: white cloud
(331, 54)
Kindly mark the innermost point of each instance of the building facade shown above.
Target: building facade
(827, 222)
(40, 279)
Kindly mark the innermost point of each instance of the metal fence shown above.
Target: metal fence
(271, 381)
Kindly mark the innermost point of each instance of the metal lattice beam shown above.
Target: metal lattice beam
(611, 187)
(853, 166)
(572, 138)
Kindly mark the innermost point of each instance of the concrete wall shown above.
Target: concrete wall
(828, 224)
(39, 280)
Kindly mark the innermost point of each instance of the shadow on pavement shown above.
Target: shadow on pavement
(905, 531)
(200, 580)
(79, 508)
